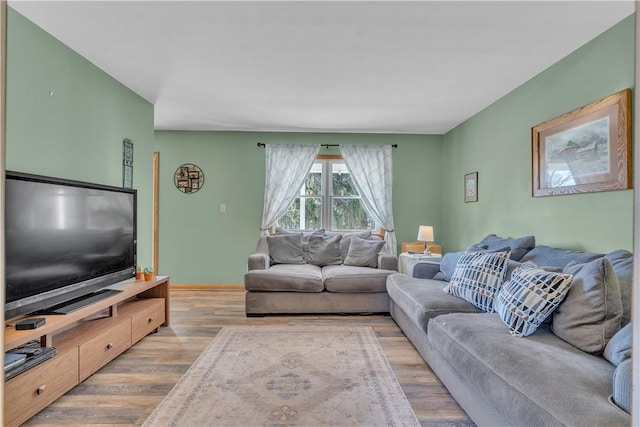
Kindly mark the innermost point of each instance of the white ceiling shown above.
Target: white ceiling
(398, 67)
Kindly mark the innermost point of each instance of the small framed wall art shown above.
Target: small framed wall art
(585, 150)
(188, 178)
(471, 187)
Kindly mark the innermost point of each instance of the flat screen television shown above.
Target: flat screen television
(64, 240)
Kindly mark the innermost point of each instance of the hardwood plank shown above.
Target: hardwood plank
(125, 392)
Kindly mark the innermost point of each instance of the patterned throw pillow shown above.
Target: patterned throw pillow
(477, 278)
(530, 297)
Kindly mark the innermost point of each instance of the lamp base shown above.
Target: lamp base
(426, 252)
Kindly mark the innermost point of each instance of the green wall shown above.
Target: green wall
(77, 132)
(201, 245)
(497, 144)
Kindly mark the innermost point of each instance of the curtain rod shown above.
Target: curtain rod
(260, 144)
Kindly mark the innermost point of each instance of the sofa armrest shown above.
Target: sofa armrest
(388, 262)
(622, 386)
(258, 262)
(426, 270)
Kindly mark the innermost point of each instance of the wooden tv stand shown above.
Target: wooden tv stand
(85, 340)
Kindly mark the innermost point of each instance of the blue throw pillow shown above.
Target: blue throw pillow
(530, 297)
(477, 278)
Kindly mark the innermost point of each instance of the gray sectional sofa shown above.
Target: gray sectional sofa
(501, 379)
(318, 272)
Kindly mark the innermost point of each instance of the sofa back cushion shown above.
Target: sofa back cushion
(556, 257)
(518, 246)
(590, 313)
(618, 349)
(286, 249)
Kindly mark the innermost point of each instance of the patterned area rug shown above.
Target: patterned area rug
(288, 376)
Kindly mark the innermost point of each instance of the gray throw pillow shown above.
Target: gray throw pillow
(286, 249)
(618, 349)
(591, 312)
(622, 262)
(346, 240)
(325, 250)
(363, 252)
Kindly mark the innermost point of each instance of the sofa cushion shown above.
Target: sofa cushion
(539, 380)
(618, 349)
(363, 252)
(346, 278)
(324, 250)
(519, 246)
(590, 313)
(477, 278)
(555, 257)
(286, 249)
(622, 262)
(424, 299)
(530, 297)
(285, 277)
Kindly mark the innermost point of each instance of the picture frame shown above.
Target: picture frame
(471, 187)
(585, 150)
(188, 178)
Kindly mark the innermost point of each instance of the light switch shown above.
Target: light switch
(223, 208)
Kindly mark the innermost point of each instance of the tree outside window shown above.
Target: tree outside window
(328, 199)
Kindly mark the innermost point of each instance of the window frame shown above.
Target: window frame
(326, 193)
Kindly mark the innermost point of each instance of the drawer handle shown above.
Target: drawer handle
(150, 319)
(41, 389)
(109, 346)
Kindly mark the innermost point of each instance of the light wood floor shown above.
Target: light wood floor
(126, 391)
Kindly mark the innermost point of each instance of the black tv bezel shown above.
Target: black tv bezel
(46, 299)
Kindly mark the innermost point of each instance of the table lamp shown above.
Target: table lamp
(425, 234)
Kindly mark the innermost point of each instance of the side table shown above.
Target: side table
(407, 261)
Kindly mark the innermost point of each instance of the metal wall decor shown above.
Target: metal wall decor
(127, 163)
(188, 178)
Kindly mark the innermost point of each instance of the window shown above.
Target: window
(329, 200)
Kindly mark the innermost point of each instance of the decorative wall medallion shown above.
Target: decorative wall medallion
(188, 178)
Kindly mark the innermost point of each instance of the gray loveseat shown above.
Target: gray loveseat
(537, 380)
(318, 272)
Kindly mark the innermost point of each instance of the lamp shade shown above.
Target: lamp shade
(425, 233)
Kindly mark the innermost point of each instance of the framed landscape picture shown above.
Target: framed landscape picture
(585, 150)
(471, 187)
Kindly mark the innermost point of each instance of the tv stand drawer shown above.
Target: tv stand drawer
(147, 318)
(28, 393)
(105, 347)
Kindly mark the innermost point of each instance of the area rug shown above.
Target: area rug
(288, 376)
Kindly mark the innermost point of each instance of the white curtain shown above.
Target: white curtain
(287, 166)
(370, 169)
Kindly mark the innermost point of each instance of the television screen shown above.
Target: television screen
(63, 239)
